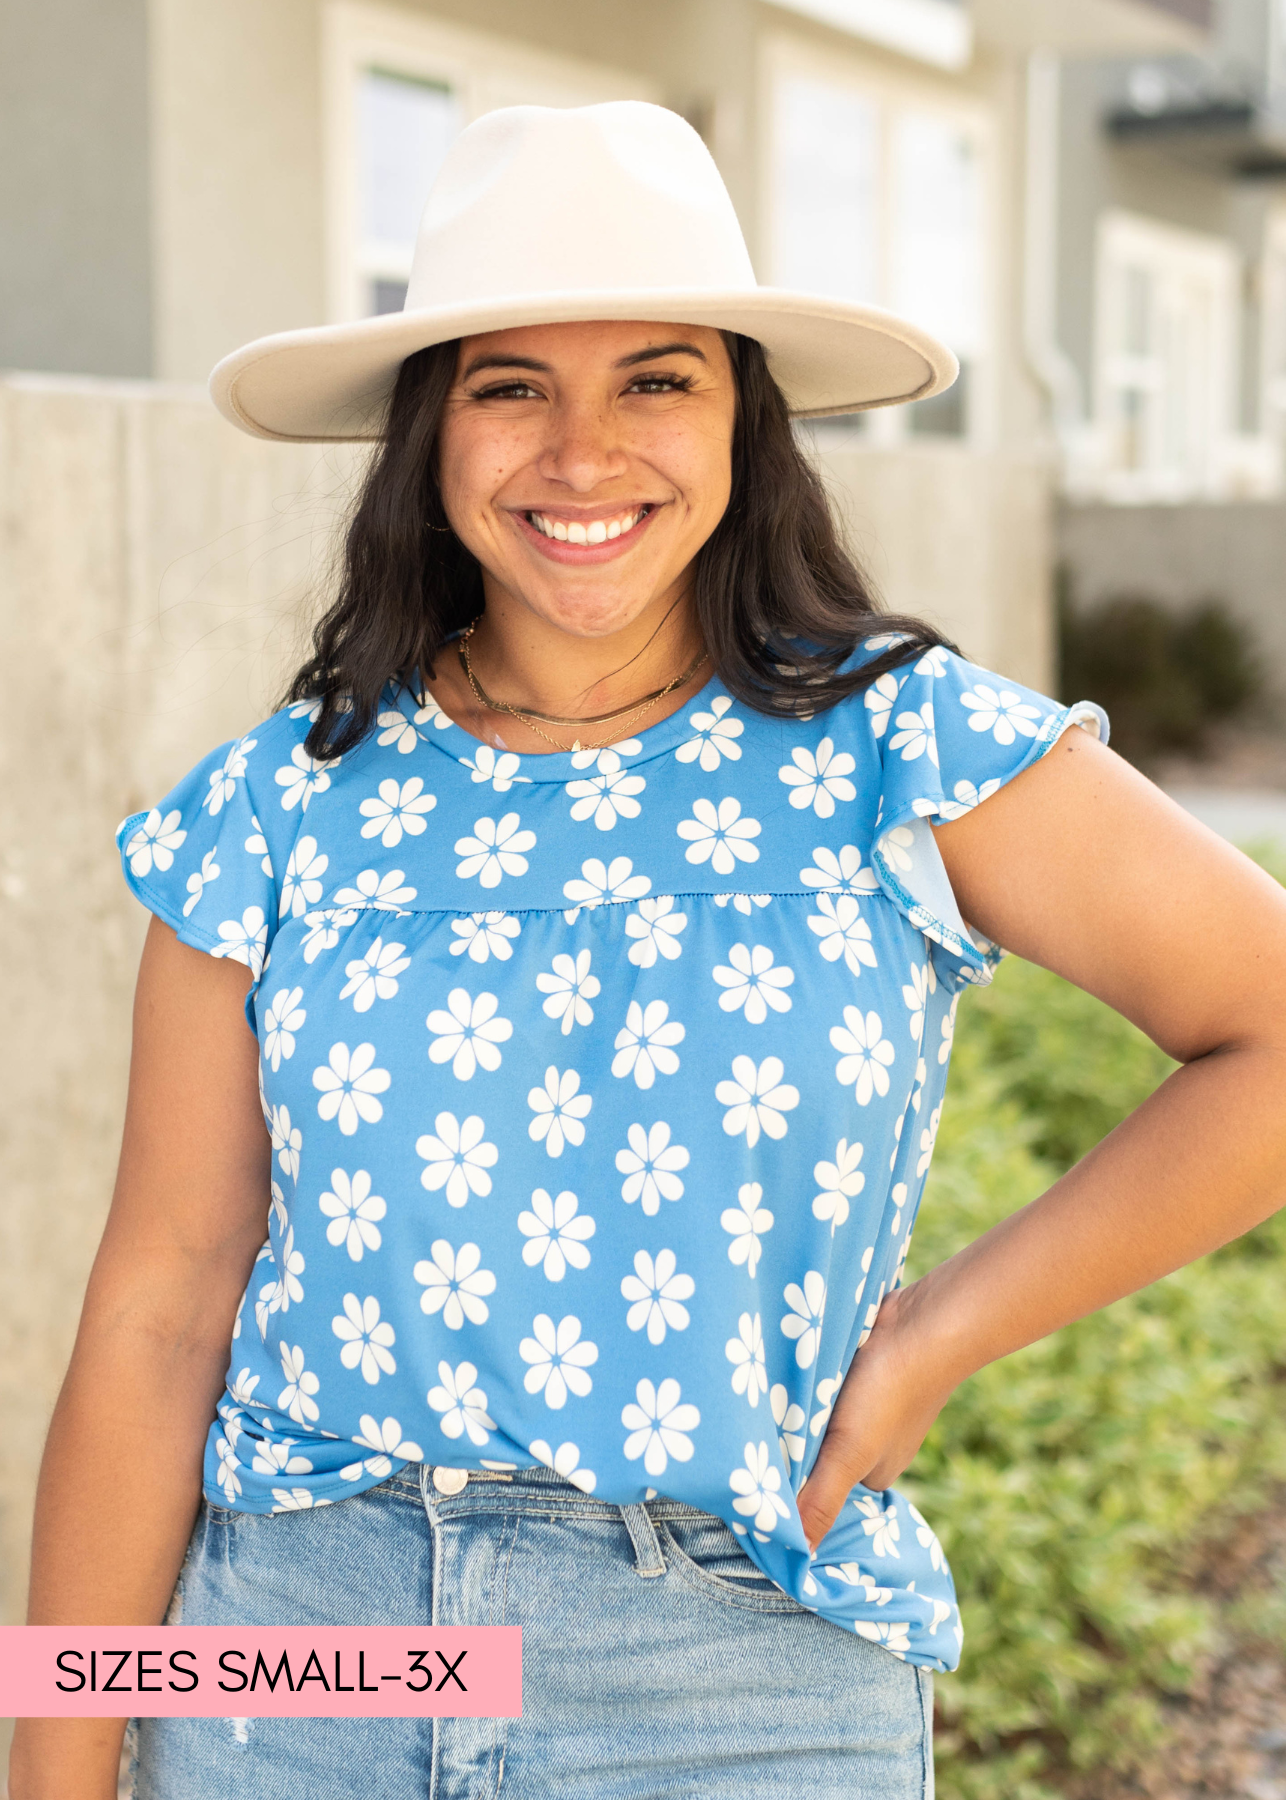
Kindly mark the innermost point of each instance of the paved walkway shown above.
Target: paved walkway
(1242, 815)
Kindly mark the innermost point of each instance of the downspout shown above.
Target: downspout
(1050, 363)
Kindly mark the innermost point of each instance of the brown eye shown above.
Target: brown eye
(506, 390)
(660, 384)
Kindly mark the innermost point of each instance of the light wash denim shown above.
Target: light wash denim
(657, 1659)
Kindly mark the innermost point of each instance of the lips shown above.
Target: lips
(589, 532)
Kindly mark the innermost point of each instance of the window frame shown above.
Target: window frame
(894, 93)
(483, 69)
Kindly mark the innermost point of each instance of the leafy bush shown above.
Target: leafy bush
(1073, 1481)
(1163, 677)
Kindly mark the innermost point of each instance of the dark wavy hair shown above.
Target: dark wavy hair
(780, 602)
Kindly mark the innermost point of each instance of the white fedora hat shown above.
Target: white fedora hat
(542, 215)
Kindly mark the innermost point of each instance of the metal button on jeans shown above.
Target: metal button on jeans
(450, 1481)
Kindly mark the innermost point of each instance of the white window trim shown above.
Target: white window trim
(484, 69)
(1123, 236)
(891, 89)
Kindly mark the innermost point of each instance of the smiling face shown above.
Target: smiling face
(584, 465)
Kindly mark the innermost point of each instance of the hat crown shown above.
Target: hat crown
(548, 200)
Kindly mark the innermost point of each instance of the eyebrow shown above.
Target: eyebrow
(540, 368)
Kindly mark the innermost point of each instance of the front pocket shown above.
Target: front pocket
(706, 1550)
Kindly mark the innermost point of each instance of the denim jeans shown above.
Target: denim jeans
(656, 1658)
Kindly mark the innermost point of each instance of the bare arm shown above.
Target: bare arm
(120, 1482)
(1084, 867)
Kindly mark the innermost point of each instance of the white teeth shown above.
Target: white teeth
(598, 531)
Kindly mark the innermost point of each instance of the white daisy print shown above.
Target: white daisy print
(296, 1398)
(198, 881)
(396, 729)
(804, 1320)
(570, 988)
(825, 1391)
(928, 1138)
(746, 1354)
(756, 1099)
(348, 1083)
(967, 796)
(880, 1523)
(714, 736)
(354, 1212)
(367, 1339)
(462, 1403)
(658, 1421)
(388, 892)
(374, 976)
(881, 697)
(865, 1054)
(302, 886)
(223, 782)
(948, 1032)
(599, 883)
(927, 1538)
(397, 811)
(280, 1459)
(496, 849)
(753, 983)
(933, 662)
(555, 1231)
(467, 1033)
(431, 714)
(301, 778)
(789, 1417)
(607, 795)
(284, 1017)
(457, 1158)
(501, 771)
(485, 934)
(565, 1461)
(843, 871)
(915, 736)
(655, 928)
(742, 903)
(244, 940)
(650, 1167)
(287, 1140)
(560, 1109)
(840, 1182)
(746, 1223)
(719, 835)
(656, 1291)
(557, 1358)
(819, 778)
(843, 931)
(278, 1296)
(1000, 711)
(923, 983)
(454, 1284)
(644, 1044)
(758, 1489)
(896, 847)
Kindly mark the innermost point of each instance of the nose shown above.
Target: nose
(583, 449)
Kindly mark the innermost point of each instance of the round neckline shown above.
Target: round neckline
(558, 766)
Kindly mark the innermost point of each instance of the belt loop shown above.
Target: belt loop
(647, 1545)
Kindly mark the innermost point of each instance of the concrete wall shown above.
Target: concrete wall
(155, 570)
(75, 260)
(152, 569)
(1234, 552)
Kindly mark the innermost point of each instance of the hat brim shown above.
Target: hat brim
(331, 383)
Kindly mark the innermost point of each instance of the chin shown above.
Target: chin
(581, 616)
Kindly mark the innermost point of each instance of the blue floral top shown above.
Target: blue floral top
(602, 1088)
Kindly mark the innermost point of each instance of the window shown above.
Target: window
(404, 128)
(1166, 343)
(397, 90)
(877, 196)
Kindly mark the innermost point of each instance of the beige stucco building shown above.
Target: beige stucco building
(178, 177)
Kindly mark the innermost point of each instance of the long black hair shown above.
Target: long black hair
(780, 602)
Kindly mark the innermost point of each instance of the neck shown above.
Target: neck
(529, 662)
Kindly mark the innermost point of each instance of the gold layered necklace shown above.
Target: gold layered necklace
(527, 715)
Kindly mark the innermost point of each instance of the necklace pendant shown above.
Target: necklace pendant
(576, 744)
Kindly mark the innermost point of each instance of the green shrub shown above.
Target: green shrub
(1072, 1481)
(1163, 676)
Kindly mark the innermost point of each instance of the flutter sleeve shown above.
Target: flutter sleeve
(951, 735)
(199, 859)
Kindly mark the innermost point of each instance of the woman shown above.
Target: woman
(599, 904)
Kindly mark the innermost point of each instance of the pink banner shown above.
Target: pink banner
(212, 1671)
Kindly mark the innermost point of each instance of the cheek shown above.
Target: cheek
(474, 466)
